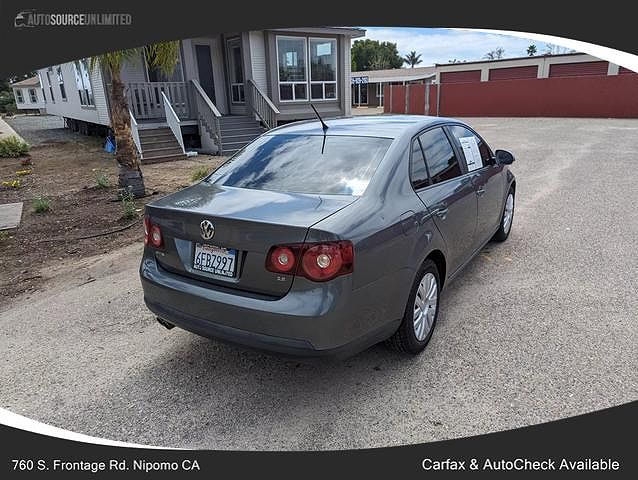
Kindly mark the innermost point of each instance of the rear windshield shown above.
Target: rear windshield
(342, 165)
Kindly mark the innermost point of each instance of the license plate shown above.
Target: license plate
(213, 259)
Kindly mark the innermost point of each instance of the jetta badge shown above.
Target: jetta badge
(207, 229)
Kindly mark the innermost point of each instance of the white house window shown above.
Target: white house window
(50, 84)
(323, 68)
(33, 96)
(58, 72)
(291, 59)
(19, 96)
(83, 82)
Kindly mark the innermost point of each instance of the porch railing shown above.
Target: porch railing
(207, 114)
(173, 121)
(145, 99)
(135, 133)
(261, 105)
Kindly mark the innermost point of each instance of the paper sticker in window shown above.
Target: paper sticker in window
(471, 153)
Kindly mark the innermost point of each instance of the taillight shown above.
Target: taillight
(281, 260)
(316, 261)
(152, 234)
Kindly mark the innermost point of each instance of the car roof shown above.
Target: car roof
(387, 126)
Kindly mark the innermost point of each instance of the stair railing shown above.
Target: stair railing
(173, 121)
(208, 115)
(135, 133)
(263, 107)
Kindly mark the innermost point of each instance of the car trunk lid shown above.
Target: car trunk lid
(246, 223)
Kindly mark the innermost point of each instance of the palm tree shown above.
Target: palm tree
(161, 56)
(531, 50)
(412, 59)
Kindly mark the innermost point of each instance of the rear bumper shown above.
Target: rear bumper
(322, 320)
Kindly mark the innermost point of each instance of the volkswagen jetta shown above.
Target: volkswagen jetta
(326, 238)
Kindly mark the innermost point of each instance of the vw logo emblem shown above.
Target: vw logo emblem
(207, 229)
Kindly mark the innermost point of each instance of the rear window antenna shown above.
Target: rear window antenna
(323, 126)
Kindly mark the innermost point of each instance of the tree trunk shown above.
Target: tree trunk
(129, 174)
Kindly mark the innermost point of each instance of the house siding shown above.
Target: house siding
(28, 105)
(71, 108)
(99, 96)
(258, 60)
(347, 73)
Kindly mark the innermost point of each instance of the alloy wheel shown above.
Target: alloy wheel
(508, 214)
(425, 304)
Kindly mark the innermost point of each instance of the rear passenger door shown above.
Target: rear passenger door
(448, 194)
(486, 178)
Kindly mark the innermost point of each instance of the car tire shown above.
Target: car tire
(409, 338)
(505, 227)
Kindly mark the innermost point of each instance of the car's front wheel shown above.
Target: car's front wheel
(506, 219)
(421, 312)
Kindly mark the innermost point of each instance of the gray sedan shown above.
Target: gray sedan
(323, 239)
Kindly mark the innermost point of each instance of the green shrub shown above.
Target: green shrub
(41, 204)
(13, 147)
(102, 180)
(199, 173)
(128, 203)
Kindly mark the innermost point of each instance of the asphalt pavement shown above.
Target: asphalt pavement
(539, 328)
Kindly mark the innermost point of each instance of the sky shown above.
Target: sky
(440, 45)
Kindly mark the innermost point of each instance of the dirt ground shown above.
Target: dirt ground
(82, 215)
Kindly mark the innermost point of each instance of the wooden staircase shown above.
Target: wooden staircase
(237, 131)
(159, 145)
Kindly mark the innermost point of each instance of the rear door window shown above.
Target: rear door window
(439, 156)
(340, 165)
(466, 139)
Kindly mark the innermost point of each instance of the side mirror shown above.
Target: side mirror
(503, 157)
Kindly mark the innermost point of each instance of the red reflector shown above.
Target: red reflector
(316, 261)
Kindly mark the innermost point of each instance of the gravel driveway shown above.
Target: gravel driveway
(36, 129)
(541, 327)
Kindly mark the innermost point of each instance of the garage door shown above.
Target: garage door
(461, 77)
(512, 73)
(578, 69)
